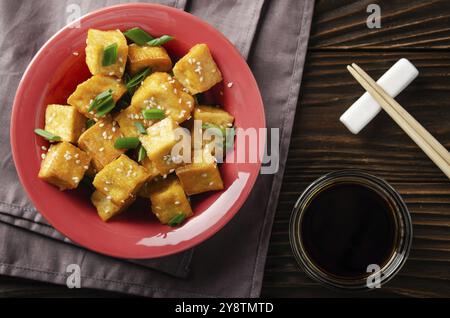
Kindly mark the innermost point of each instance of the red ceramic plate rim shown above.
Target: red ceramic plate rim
(71, 233)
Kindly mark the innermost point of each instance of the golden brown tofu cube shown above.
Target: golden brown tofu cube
(120, 180)
(162, 91)
(197, 70)
(64, 121)
(213, 115)
(168, 199)
(88, 90)
(106, 208)
(98, 141)
(96, 42)
(127, 119)
(154, 57)
(200, 176)
(64, 165)
(158, 143)
(153, 172)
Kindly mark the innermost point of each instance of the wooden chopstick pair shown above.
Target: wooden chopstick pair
(432, 148)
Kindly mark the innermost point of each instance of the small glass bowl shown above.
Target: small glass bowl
(403, 230)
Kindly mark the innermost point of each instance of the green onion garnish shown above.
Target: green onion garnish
(160, 41)
(177, 220)
(229, 141)
(110, 55)
(126, 143)
(47, 135)
(140, 127)
(206, 126)
(137, 79)
(89, 123)
(141, 154)
(153, 113)
(100, 99)
(138, 36)
(105, 108)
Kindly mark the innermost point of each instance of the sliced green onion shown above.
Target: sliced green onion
(206, 126)
(160, 41)
(137, 79)
(140, 127)
(106, 108)
(100, 99)
(229, 141)
(177, 220)
(153, 113)
(110, 54)
(126, 143)
(47, 135)
(142, 153)
(138, 36)
(89, 123)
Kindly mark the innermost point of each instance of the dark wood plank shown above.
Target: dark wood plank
(406, 25)
(320, 144)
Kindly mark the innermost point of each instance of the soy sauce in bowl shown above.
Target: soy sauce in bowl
(349, 225)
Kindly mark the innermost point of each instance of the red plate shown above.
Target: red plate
(53, 75)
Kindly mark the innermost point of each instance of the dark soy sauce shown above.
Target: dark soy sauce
(347, 227)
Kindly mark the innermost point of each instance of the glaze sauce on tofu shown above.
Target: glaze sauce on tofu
(118, 126)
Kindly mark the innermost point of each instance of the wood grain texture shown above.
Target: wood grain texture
(417, 30)
(320, 144)
(405, 25)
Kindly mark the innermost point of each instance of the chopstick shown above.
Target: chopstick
(432, 148)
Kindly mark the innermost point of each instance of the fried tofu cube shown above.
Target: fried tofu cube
(98, 141)
(159, 141)
(154, 57)
(88, 90)
(64, 121)
(168, 199)
(106, 208)
(197, 70)
(64, 165)
(162, 91)
(153, 172)
(200, 176)
(120, 180)
(96, 42)
(127, 119)
(213, 115)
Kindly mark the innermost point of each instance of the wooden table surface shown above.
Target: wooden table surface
(417, 30)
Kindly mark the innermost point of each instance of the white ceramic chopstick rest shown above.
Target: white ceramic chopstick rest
(395, 80)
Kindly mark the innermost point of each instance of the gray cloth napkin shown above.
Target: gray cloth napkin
(274, 35)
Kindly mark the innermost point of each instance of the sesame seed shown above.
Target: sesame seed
(108, 197)
(204, 174)
(76, 179)
(101, 125)
(44, 148)
(106, 189)
(229, 125)
(86, 167)
(158, 207)
(101, 149)
(164, 176)
(230, 84)
(177, 202)
(114, 129)
(75, 53)
(110, 137)
(180, 101)
(211, 183)
(77, 161)
(111, 73)
(43, 156)
(201, 78)
(171, 170)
